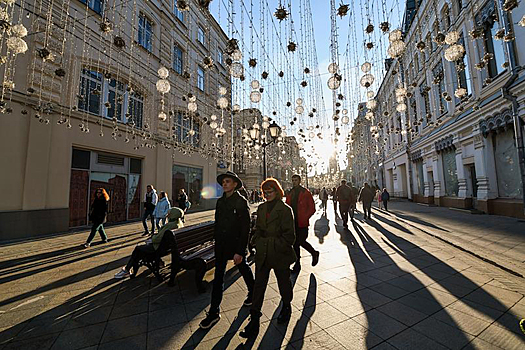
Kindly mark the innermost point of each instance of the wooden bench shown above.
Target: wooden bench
(191, 248)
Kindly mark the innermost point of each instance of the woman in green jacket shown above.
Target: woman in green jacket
(273, 240)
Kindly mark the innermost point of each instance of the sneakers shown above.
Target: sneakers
(315, 258)
(211, 319)
(248, 301)
(86, 245)
(122, 274)
(145, 233)
(286, 313)
(252, 329)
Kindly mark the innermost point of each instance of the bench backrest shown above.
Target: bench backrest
(193, 236)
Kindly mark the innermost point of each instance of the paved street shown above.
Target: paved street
(385, 284)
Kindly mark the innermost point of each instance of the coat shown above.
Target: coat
(174, 222)
(345, 196)
(305, 207)
(274, 236)
(385, 196)
(99, 210)
(162, 208)
(366, 195)
(232, 226)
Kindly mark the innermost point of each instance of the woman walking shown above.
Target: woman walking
(97, 215)
(161, 210)
(274, 237)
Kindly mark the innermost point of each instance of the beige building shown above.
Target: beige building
(448, 148)
(86, 112)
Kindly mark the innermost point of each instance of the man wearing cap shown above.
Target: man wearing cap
(232, 227)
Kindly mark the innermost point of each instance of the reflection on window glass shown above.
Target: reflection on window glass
(507, 167)
(450, 172)
(190, 179)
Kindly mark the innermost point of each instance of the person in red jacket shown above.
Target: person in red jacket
(303, 206)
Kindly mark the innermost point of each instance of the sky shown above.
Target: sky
(273, 56)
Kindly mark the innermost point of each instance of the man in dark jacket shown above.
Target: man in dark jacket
(232, 227)
(366, 195)
(346, 198)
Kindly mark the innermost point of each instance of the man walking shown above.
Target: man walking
(303, 206)
(366, 195)
(323, 196)
(346, 199)
(150, 201)
(232, 227)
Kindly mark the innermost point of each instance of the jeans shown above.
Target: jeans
(301, 233)
(100, 228)
(218, 281)
(157, 220)
(262, 274)
(145, 216)
(139, 252)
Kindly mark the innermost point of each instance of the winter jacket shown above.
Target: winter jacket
(232, 226)
(345, 196)
(366, 195)
(99, 210)
(162, 208)
(385, 196)
(150, 205)
(183, 198)
(274, 236)
(305, 207)
(174, 222)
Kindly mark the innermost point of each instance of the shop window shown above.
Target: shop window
(507, 166)
(450, 172)
(190, 179)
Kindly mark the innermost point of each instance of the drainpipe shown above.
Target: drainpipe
(505, 92)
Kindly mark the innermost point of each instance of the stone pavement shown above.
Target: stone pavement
(497, 239)
(383, 284)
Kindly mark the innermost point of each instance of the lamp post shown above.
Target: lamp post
(275, 130)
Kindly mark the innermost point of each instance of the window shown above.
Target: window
(95, 5)
(487, 19)
(420, 178)
(462, 69)
(109, 98)
(145, 32)
(446, 17)
(219, 56)
(191, 180)
(177, 59)
(177, 13)
(450, 172)
(459, 6)
(183, 124)
(507, 165)
(423, 90)
(200, 78)
(439, 79)
(200, 35)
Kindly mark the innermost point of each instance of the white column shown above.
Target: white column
(437, 171)
(485, 168)
(428, 190)
(462, 177)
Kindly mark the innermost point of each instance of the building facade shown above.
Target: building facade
(454, 141)
(90, 108)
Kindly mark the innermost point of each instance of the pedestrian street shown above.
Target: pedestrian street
(381, 284)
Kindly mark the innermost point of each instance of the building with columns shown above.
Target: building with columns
(455, 142)
(85, 110)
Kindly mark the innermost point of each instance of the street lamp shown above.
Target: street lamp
(275, 130)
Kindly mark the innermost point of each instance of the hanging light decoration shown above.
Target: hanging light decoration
(223, 91)
(236, 108)
(333, 83)
(222, 102)
(395, 35)
(345, 120)
(370, 94)
(162, 116)
(236, 70)
(333, 68)
(401, 107)
(255, 84)
(452, 37)
(192, 107)
(366, 67)
(454, 52)
(16, 45)
(460, 92)
(371, 105)
(299, 109)
(281, 13)
(421, 46)
(163, 86)
(182, 5)
(522, 21)
(163, 72)
(385, 27)
(343, 10)
(396, 48)
(367, 80)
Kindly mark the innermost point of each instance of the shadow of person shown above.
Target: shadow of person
(392, 224)
(321, 228)
(391, 301)
(419, 221)
(299, 330)
(451, 280)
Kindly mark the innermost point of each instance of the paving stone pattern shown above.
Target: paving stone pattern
(382, 284)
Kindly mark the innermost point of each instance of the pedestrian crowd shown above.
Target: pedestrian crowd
(280, 230)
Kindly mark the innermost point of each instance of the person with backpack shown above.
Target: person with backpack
(232, 228)
(97, 215)
(161, 210)
(150, 201)
(385, 197)
(346, 199)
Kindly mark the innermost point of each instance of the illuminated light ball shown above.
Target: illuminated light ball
(255, 84)
(280, 144)
(370, 94)
(222, 102)
(345, 120)
(255, 96)
(333, 83)
(369, 116)
(283, 133)
(162, 116)
(237, 55)
(401, 107)
(367, 80)
(372, 104)
(395, 35)
(16, 45)
(396, 48)
(265, 124)
(193, 98)
(365, 67)
(236, 108)
(400, 99)
(300, 145)
(299, 109)
(223, 91)
(299, 101)
(213, 117)
(333, 68)
(454, 52)
(163, 86)
(163, 72)
(452, 37)
(191, 132)
(192, 107)
(19, 30)
(236, 70)
(257, 147)
(460, 92)
(311, 134)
